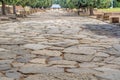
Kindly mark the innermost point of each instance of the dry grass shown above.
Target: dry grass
(110, 10)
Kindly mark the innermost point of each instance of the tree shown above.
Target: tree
(14, 3)
(3, 7)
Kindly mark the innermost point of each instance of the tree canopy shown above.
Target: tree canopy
(64, 3)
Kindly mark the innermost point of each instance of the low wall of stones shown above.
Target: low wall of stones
(112, 17)
(25, 13)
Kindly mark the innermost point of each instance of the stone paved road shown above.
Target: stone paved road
(56, 45)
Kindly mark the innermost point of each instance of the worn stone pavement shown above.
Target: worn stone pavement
(56, 45)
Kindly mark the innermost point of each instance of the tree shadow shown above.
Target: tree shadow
(108, 30)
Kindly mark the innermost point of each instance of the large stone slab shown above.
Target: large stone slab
(16, 64)
(102, 54)
(80, 50)
(2, 49)
(7, 55)
(79, 58)
(47, 52)
(5, 78)
(39, 60)
(115, 61)
(65, 66)
(113, 51)
(62, 62)
(88, 40)
(54, 31)
(61, 76)
(6, 61)
(56, 48)
(117, 47)
(4, 67)
(71, 31)
(63, 43)
(88, 65)
(37, 68)
(13, 74)
(35, 46)
(41, 77)
(109, 74)
(83, 71)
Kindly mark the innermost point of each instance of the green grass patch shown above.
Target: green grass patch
(110, 10)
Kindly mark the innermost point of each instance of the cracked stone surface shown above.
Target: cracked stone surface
(59, 45)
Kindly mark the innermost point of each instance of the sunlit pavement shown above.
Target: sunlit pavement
(57, 45)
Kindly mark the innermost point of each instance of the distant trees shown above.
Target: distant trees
(23, 3)
(90, 4)
(79, 4)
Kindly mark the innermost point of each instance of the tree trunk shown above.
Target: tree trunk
(3, 8)
(91, 11)
(14, 9)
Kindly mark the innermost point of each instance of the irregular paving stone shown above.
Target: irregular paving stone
(108, 59)
(7, 55)
(80, 58)
(88, 65)
(54, 31)
(21, 52)
(5, 78)
(75, 36)
(66, 66)
(37, 68)
(38, 60)
(87, 40)
(53, 36)
(61, 76)
(101, 54)
(16, 64)
(28, 55)
(71, 31)
(4, 67)
(112, 66)
(1, 74)
(56, 48)
(5, 62)
(100, 45)
(83, 71)
(117, 47)
(23, 59)
(13, 74)
(55, 58)
(40, 77)
(47, 52)
(10, 47)
(71, 76)
(2, 49)
(115, 61)
(98, 59)
(80, 50)
(64, 43)
(113, 51)
(109, 74)
(31, 68)
(35, 46)
(62, 62)
(105, 69)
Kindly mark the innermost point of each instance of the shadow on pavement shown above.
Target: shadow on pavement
(108, 30)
